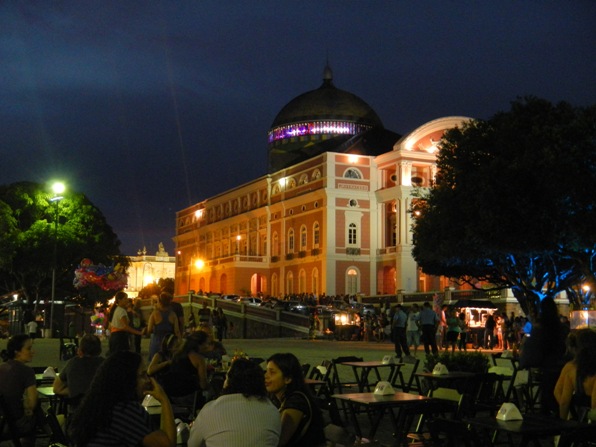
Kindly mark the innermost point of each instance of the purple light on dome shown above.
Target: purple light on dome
(315, 128)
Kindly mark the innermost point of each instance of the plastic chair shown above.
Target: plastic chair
(58, 435)
(413, 381)
(338, 385)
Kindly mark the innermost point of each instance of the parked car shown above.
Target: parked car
(299, 308)
(365, 309)
(230, 297)
(250, 301)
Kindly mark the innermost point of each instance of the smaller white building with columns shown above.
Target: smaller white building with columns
(145, 269)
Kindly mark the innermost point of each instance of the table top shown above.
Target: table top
(314, 382)
(397, 398)
(448, 376)
(370, 364)
(40, 377)
(46, 390)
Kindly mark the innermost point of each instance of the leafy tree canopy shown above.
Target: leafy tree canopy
(28, 221)
(514, 203)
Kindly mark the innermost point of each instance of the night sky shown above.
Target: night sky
(148, 107)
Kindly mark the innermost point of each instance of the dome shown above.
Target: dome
(318, 121)
(327, 103)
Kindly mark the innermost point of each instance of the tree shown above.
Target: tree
(28, 218)
(514, 202)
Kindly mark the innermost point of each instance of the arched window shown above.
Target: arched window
(302, 281)
(274, 285)
(291, 240)
(352, 173)
(275, 246)
(316, 234)
(316, 175)
(352, 281)
(352, 234)
(303, 179)
(303, 238)
(290, 282)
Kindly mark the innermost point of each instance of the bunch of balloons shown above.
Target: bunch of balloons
(107, 278)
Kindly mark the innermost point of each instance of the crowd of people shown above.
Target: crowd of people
(255, 406)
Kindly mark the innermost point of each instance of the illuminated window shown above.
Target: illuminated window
(316, 234)
(352, 281)
(303, 179)
(301, 281)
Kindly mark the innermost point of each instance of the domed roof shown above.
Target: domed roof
(327, 103)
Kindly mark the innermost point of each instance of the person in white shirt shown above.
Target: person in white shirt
(243, 415)
(32, 328)
(413, 328)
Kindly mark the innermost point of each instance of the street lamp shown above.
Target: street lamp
(58, 188)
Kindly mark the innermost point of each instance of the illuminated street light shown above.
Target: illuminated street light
(57, 188)
(199, 264)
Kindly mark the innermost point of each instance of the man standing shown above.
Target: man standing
(32, 329)
(399, 329)
(429, 321)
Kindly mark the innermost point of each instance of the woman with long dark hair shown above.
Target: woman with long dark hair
(111, 413)
(242, 416)
(544, 349)
(301, 418)
(577, 382)
(18, 386)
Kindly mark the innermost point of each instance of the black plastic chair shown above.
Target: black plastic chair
(412, 384)
(58, 435)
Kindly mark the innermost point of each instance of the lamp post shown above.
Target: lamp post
(58, 188)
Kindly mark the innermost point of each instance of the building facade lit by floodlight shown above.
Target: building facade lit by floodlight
(332, 214)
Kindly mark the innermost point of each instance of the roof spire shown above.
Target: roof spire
(327, 73)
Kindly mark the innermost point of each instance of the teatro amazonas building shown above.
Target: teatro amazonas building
(330, 216)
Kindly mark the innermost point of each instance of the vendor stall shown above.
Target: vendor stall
(476, 313)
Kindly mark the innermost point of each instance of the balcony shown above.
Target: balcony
(302, 254)
(289, 256)
(353, 251)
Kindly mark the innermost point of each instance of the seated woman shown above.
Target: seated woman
(577, 383)
(162, 360)
(17, 385)
(187, 371)
(301, 418)
(243, 415)
(111, 413)
(75, 378)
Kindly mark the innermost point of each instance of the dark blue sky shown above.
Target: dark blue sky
(148, 107)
